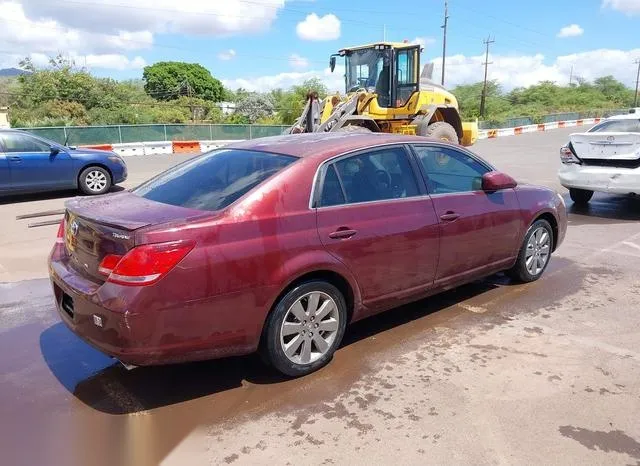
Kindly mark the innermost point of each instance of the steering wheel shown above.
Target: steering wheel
(383, 176)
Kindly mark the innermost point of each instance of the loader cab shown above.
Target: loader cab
(389, 70)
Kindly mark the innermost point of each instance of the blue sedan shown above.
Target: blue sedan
(30, 164)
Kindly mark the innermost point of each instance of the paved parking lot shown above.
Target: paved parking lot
(490, 373)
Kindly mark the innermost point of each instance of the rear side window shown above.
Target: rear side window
(617, 126)
(214, 180)
(331, 190)
(22, 143)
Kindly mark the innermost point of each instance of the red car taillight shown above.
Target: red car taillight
(60, 235)
(567, 155)
(58, 247)
(146, 264)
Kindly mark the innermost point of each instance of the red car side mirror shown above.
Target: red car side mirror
(495, 181)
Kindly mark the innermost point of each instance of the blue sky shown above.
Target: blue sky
(261, 44)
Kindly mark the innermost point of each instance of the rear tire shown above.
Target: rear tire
(312, 317)
(438, 130)
(94, 181)
(353, 129)
(580, 196)
(535, 253)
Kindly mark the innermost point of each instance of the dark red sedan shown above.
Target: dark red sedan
(277, 244)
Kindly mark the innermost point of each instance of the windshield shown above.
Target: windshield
(617, 126)
(214, 180)
(369, 69)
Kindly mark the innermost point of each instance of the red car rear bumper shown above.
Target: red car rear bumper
(128, 324)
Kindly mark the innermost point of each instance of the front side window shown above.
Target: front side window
(375, 176)
(450, 171)
(22, 143)
(214, 180)
(617, 126)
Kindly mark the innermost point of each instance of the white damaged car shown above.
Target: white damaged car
(605, 159)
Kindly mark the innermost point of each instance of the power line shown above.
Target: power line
(519, 26)
(203, 13)
(486, 66)
(143, 44)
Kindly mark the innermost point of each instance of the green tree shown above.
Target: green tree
(255, 107)
(613, 90)
(169, 80)
(291, 103)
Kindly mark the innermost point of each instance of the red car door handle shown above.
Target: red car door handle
(342, 233)
(449, 216)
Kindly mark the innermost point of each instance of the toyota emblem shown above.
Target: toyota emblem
(74, 228)
(611, 138)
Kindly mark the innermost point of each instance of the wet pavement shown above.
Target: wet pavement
(489, 373)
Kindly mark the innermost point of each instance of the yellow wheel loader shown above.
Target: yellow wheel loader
(385, 92)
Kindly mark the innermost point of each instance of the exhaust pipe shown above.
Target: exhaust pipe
(128, 367)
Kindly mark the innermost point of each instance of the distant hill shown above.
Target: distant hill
(9, 72)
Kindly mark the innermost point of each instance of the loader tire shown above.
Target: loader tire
(438, 130)
(353, 129)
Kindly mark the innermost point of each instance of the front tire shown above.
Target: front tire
(305, 328)
(353, 129)
(534, 254)
(94, 181)
(580, 196)
(438, 130)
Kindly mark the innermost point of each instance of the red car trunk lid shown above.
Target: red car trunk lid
(102, 225)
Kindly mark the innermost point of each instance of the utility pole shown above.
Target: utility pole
(571, 76)
(486, 64)
(635, 100)
(444, 37)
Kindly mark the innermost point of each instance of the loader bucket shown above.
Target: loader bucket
(469, 133)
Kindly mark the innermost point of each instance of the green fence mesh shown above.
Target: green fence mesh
(86, 135)
(550, 118)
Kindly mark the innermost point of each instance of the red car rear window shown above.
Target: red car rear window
(213, 180)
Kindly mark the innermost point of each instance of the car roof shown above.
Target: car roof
(325, 145)
(625, 116)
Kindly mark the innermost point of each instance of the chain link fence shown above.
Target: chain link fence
(86, 135)
(550, 118)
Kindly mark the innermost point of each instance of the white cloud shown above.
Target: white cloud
(125, 40)
(227, 54)
(195, 17)
(423, 41)
(298, 62)
(113, 27)
(630, 7)
(45, 37)
(319, 28)
(526, 70)
(334, 81)
(572, 30)
(509, 71)
(111, 61)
